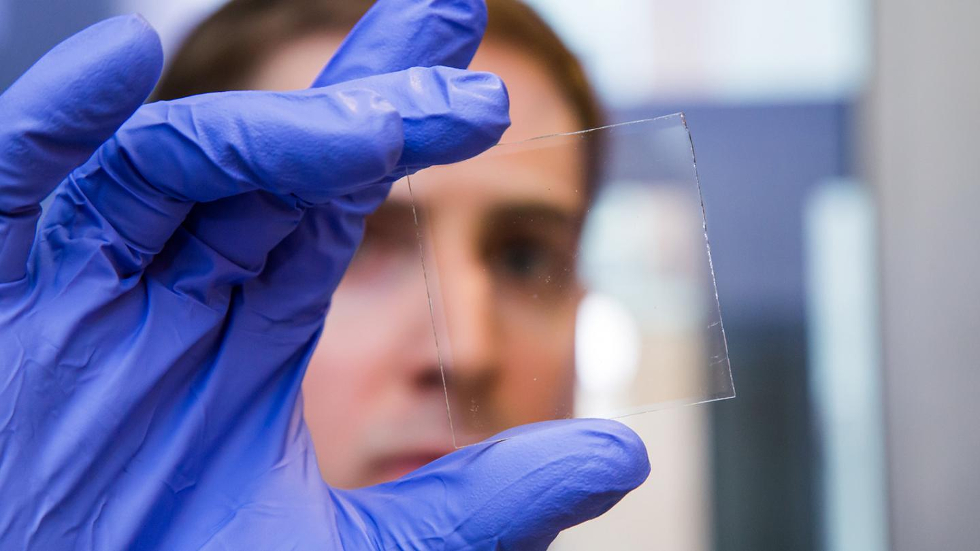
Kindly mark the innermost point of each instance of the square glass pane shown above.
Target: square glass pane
(570, 276)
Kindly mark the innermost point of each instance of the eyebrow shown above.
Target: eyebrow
(534, 213)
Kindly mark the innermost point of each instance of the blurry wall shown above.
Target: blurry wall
(747, 52)
(768, 88)
(921, 150)
(28, 29)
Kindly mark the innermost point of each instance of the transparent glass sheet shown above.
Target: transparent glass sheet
(570, 276)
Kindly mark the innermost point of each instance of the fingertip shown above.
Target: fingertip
(520, 488)
(140, 17)
(457, 114)
(366, 131)
(471, 16)
(490, 90)
(382, 132)
(625, 450)
(466, 20)
(73, 99)
(395, 35)
(148, 36)
(105, 73)
(109, 68)
(139, 45)
(619, 456)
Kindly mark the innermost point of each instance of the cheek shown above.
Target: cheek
(538, 374)
(363, 339)
(339, 379)
(359, 396)
(348, 357)
(347, 377)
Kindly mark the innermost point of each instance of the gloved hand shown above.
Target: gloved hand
(155, 328)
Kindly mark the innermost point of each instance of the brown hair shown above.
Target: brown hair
(223, 52)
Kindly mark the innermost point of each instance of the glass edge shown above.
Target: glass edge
(677, 115)
(707, 245)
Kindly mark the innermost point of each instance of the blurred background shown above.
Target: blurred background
(836, 143)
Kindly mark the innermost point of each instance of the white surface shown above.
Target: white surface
(639, 51)
(607, 344)
(173, 18)
(845, 365)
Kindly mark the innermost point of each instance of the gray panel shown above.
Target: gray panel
(34, 27)
(922, 147)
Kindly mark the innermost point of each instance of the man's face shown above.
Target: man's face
(373, 393)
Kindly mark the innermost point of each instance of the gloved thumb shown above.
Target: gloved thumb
(518, 490)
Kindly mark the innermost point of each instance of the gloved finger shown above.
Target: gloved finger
(313, 145)
(397, 34)
(518, 492)
(56, 115)
(303, 270)
(393, 35)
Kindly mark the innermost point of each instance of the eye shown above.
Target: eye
(529, 250)
(530, 263)
(524, 258)
(389, 241)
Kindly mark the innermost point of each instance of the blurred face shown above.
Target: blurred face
(373, 393)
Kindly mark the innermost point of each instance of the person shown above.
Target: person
(373, 393)
(156, 322)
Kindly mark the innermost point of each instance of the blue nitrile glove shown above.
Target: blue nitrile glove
(152, 345)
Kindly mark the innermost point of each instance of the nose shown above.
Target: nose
(420, 355)
(468, 331)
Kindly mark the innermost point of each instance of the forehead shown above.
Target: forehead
(551, 175)
(514, 174)
(538, 106)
